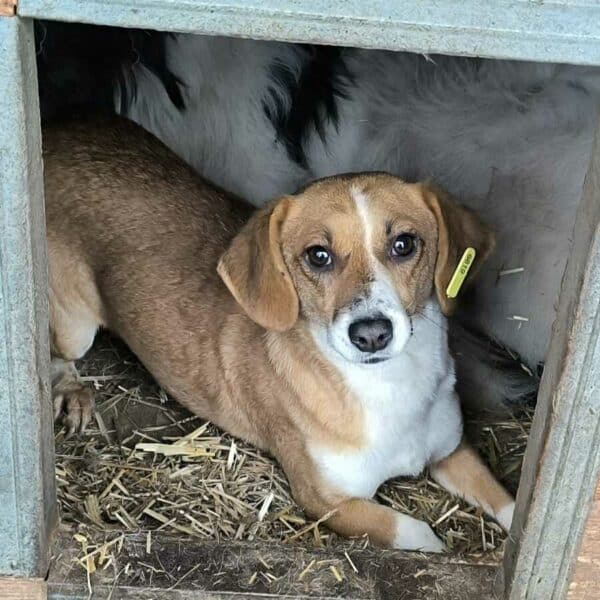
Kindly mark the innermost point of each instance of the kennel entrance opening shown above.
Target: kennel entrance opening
(562, 462)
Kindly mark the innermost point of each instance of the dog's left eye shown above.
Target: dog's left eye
(403, 246)
(319, 257)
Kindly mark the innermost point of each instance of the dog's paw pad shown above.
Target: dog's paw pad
(74, 407)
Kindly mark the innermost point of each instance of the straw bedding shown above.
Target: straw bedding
(146, 465)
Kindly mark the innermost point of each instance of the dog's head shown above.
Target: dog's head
(355, 256)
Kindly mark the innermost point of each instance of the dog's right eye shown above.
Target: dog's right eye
(404, 246)
(319, 258)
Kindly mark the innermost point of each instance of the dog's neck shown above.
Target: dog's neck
(419, 366)
(324, 406)
(333, 395)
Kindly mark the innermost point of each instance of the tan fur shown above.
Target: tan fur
(322, 404)
(458, 228)
(465, 474)
(268, 296)
(135, 238)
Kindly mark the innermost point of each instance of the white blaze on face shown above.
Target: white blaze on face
(362, 209)
(381, 301)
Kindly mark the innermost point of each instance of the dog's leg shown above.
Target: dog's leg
(463, 473)
(75, 316)
(70, 396)
(73, 401)
(72, 330)
(384, 526)
(354, 517)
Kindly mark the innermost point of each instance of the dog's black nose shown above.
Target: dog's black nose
(371, 335)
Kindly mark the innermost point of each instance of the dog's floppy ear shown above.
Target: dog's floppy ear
(254, 270)
(458, 229)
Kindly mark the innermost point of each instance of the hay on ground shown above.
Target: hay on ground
(145, 465)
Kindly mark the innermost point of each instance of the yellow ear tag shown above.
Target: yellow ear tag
(460, 273)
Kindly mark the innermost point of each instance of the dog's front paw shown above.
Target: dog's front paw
(412, 534)
(505, 516)
(75, 405)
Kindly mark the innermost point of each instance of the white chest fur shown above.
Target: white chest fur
(412, 414)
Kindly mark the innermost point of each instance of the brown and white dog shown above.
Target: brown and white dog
(313, 327)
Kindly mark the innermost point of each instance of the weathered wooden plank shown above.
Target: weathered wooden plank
(12, 588)
(561, 464)
(27, 499)
(585, 583)
(177, 569)
(558, 31)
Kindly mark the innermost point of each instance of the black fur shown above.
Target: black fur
(324, 79)
(150, 49)
(80, 65)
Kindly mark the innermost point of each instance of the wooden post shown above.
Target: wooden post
(585, 584)
(13, 588)
(27, 493)
(562, 460)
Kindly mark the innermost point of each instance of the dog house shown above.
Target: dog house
(553, 549)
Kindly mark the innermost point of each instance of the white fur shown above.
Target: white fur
(223, 132)
(362, 209)
(505, 516)
(412, 417)
(381, 299)
(412, 534)
(510, 139)
(382, 295)
(411, 413)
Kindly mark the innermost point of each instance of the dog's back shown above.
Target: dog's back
(129, 193)
(134, 238)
